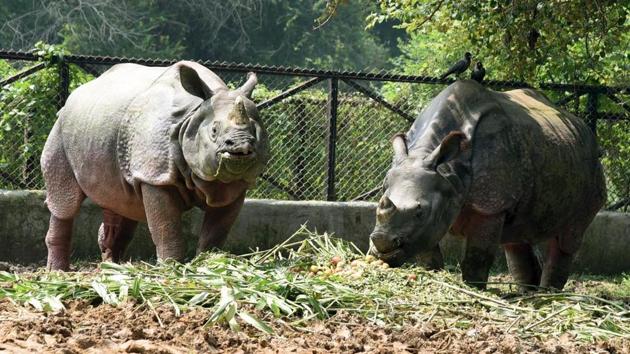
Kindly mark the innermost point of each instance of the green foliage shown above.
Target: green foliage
(28, 109)
(275, 32)
(49, 53)
(566, 41)
(614, 138)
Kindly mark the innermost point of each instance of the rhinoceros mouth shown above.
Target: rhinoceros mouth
(237, 155)
(393, 253)
(390, 254)
(235, 163)
(394, 258)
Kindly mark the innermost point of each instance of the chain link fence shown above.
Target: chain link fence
(329, 131)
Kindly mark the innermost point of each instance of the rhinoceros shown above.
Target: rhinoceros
(498, 168)
(145, 144)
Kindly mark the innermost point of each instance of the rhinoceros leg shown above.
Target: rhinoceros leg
(58, 242)
(217, 223)
(163, 208)
(432, 260)
(482, 236)
(114, 235)
(523, 264)
(557, 266)
(63, 199)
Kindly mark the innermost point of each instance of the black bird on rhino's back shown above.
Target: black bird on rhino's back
(479, 72)
(459, 67)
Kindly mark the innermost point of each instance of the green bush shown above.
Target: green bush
(28, 109)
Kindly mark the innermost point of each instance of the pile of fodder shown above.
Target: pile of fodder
(315, 276)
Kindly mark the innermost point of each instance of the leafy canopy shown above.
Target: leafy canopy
(556, 40)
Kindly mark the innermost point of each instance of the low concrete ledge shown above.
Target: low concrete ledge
(265, 223)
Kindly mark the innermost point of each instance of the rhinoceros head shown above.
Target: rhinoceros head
(224, 138)
(418, 204)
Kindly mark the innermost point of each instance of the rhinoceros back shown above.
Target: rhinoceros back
(90, 122)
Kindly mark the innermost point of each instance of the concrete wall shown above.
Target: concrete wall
(264, 223)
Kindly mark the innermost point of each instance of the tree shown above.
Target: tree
(531, 40)
(107, 26)
(275, 32)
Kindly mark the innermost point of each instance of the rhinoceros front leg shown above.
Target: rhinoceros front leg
(432, 260)
(164, 208)
(217, 223)
(483, 234)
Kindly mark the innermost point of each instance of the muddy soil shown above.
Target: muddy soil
(131, 328)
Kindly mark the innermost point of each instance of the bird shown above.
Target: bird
(478, 72)
(459, 67)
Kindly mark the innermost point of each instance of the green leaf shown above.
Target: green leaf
(54, 304)
(36, 304)
(101, 290)
(199, 298)
(227, 298)
(255, 322)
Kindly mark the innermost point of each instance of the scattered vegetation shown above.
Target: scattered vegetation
(315, 276)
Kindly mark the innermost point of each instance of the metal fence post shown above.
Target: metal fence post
(592, 102)
(331, 110)
(64, 83)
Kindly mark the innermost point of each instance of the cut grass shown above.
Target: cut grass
(278, 283)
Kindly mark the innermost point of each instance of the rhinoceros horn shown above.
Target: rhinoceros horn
(238, 115)
(385, 210)
(248, 86)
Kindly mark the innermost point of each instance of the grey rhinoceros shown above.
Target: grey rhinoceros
(146, 144)
(503, 168)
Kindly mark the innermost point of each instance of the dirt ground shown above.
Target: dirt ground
(85, 328)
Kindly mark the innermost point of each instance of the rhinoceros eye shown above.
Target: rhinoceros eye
(214, 132)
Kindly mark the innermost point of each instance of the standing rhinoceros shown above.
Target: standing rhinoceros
(147, 143)
(497, 168)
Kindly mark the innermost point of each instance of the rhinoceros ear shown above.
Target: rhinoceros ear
(450, 147)
(399, 143)
(248, 86)
(192, 83)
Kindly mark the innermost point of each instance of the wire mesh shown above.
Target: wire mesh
(613, 135)
(364, 152)
(27, 112)
(299, 125)
(297, 129)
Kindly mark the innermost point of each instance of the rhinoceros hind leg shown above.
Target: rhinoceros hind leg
(217, 223)
(114, 235)
(523, 264)
(557, 266)
(58, 242)
(163, 208)
(63, 199)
